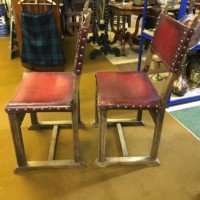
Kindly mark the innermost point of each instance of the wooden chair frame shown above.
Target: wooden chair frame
(156, 111)
(17, 110)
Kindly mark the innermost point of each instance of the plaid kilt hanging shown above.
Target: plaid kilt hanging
(41, 43)
(4, 28)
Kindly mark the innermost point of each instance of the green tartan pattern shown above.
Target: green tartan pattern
(41, 43)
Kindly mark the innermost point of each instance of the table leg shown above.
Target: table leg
(123, 35)
(129, 37)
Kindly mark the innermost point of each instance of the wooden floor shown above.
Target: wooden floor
(177, 178)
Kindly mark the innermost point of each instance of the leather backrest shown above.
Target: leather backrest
(171, 41)
(80, 50)
(85, 18)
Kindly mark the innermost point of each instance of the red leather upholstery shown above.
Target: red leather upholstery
(129, 90)
(167, 37)
(41, 91)
(50, 92)
(126, 90)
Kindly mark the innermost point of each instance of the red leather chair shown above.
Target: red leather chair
(133, 90)
(49, 92)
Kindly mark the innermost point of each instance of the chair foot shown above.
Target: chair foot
(138, 160)
(55, 164)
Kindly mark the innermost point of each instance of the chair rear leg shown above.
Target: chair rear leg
(80, 123)
(96, 119)
(34, 120)
(75, 124)
(139, 115)
(157, 136)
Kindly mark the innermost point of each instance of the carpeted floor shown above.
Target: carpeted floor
(189, 118)
(177, 178)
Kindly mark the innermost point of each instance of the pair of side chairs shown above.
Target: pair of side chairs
(116, 90)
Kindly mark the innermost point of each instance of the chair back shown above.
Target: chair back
(170, 42)
(85, 18)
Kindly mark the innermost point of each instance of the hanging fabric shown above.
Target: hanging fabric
(4, 24)
(41, 42)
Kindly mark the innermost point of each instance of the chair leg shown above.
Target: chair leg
(102, 136)
(96, 120)
(157, 135)
(75, 118)
(103, 161)
(139, 115)
(80, 123)
(24, 164)
(34, 121)
(15, 125)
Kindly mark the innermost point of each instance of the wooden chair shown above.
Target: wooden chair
(146, 34)
(133, 90)
(49, 92)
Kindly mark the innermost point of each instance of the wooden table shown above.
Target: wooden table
(156, 9)
(122, 34)
(197, 5)
(128, 9)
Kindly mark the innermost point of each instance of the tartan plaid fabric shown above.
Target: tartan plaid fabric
(41, 43)
(4, 28)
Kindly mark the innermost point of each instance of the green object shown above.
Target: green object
(190, 118)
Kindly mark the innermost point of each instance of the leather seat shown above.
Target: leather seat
(133, 90)
(50, 92)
